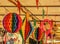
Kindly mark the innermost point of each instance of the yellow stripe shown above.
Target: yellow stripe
(24, 23)
(23, 27)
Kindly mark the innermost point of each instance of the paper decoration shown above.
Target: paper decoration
(51, 26)
(26, 27)
(38, 34)
(12, 22)
(47, 32)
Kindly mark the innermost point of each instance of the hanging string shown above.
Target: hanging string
(31, 13)
(18, 5)
(37, 1)
(25, 9)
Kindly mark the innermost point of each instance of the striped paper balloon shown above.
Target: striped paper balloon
(27, 28)
(38, 34)
(12, 22)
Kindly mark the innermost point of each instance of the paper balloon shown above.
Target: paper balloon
(12, 22)
(27, 28)
(42, 26)
(38, 34)
(49, 31)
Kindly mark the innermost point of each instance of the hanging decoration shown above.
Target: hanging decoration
(12, 22)
(47, 31)
(27, 28)
(37, 1)
(17, 3)
(38, 34)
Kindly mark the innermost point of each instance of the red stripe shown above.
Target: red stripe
(27, 29)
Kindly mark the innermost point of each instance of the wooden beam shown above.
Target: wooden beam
(33, 6)
(36, 15)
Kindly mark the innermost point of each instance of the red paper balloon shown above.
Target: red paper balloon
(12, 22)
(42, 26)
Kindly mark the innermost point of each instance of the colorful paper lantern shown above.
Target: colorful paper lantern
(38, 34)
(27, 28)
(12, 22)
(42, 26)
(49, 31)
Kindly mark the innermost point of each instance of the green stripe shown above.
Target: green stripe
(21, 29)
(13, 22)
(34, 22)
(21, 33)
(36, 33)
